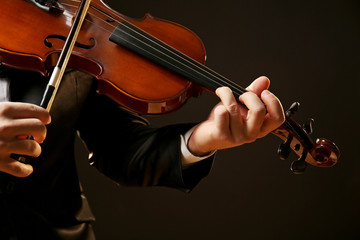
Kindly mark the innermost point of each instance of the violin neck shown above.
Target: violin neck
(296, 138)
(133, 38)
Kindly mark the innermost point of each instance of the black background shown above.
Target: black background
(310, 51)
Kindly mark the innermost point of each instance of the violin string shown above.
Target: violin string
(234, 85)
(237, 89)
(198, 65)
(195, 66)
(219, 79)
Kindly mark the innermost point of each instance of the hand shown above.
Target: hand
(230, 124)
(17, 121)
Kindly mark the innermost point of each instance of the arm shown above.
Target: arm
(128, 150)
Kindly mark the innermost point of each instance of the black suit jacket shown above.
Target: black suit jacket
(49, 203)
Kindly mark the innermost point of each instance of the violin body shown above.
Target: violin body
(130, 80)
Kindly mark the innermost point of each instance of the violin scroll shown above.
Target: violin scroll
(322, 153)
(325, 153)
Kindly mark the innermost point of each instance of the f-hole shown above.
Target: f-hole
(48, 43)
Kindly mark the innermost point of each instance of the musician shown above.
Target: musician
(42, 199)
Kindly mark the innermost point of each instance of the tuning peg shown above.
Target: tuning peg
(284, 148)
(308, 126)
(292, 109)
(299, 166)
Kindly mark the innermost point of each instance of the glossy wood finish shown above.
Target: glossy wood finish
(128, 79)
(124, 76)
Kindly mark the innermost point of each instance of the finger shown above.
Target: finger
(275, 114)
(23, 127)
(30, 127)
(21, 147)
(232, 107)
(255, 115)
(258, 85)
(212, 113)
(16, 110)
(15, 168)
(221, 118)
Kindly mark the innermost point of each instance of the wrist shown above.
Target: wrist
(188, 156)
(194, 144)
(197, 150)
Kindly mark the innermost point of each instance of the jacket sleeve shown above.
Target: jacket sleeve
(128, 150)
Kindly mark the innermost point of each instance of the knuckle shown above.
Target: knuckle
(17, 170)
(42, 131)
(33, 108)
(33, 149)
(258, 110)
(38, 125)
(233, 108)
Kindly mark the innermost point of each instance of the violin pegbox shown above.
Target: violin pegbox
(322, 153)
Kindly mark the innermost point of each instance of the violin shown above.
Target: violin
(149, 65)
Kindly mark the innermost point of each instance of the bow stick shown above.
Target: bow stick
(59, 69)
